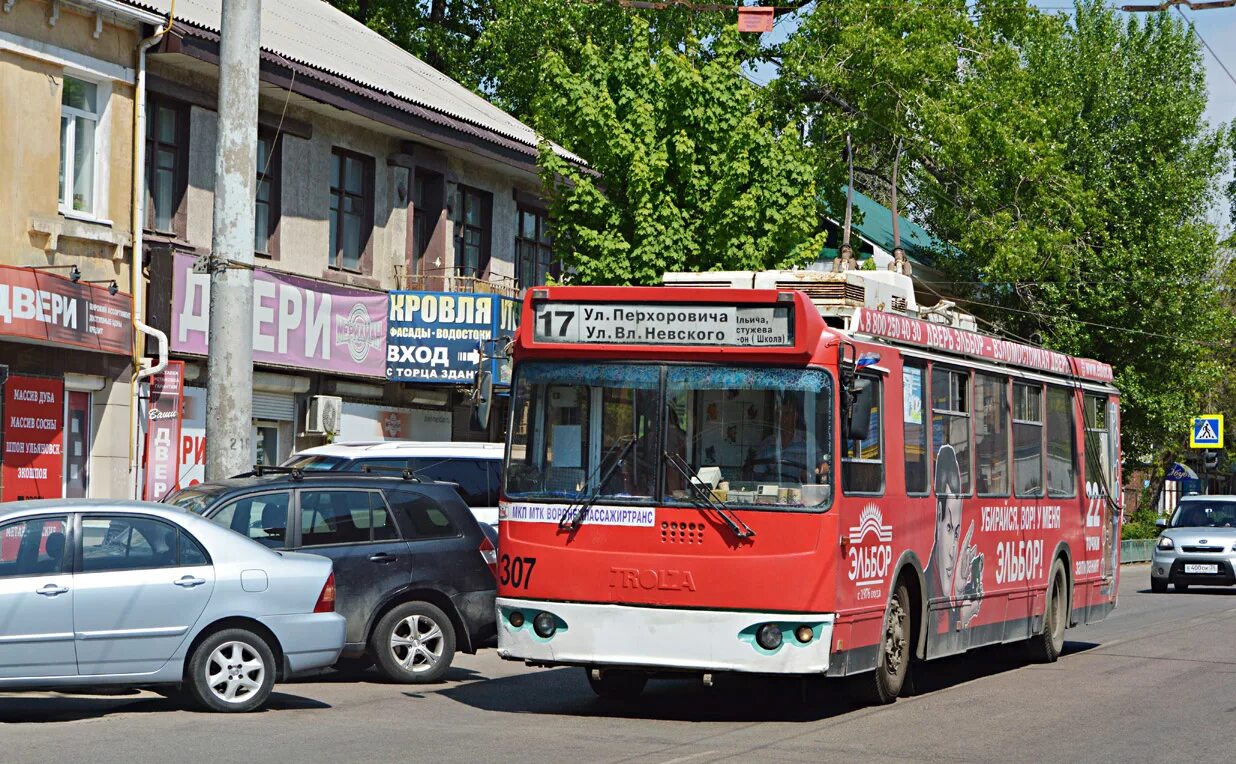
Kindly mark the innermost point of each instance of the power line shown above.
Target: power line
(1198, 35)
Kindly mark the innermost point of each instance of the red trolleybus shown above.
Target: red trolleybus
(795, 481)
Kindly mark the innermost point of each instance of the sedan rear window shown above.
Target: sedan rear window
(192, 500)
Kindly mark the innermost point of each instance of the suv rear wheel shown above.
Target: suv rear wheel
(414, 643)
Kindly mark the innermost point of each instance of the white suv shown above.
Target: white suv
(476, 468)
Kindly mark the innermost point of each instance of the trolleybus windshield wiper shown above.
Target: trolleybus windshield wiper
(575, 513)
(741, 529)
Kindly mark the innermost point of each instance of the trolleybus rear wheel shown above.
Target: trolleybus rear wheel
(1046, 646)
(893, 658)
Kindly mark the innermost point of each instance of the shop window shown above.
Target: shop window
(1061, 444)
(1027, 440)
(351, 209)
(914, 380)
(81, 109)
(950, 428)
(991, 434)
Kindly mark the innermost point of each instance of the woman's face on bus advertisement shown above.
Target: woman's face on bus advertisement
(948, 538)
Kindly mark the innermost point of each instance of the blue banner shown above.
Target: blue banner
(439, 337)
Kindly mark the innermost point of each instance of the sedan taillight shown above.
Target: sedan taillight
(326, 600)
(489, 554)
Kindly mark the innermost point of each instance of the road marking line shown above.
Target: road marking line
(688, 758)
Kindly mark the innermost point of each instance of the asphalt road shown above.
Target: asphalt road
(1155, 681)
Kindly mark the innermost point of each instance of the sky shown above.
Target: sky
(1216, 26)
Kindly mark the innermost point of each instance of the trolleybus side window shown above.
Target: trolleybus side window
(1061, 444)
(991, 434)
(1027, 439)
(1101, 454)
(862, 464)
(913, 383)
(950, 417)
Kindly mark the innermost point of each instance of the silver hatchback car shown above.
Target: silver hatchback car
(97, 592)
(1198, 545)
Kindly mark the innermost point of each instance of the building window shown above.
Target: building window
(421, 224)
(266, 203)
(351, 208)
(80, 107)
(166, 139)
(472, 231)
(534, 254)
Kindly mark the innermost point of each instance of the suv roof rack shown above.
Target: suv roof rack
(403, 472)
(259, 470)
(368, 470)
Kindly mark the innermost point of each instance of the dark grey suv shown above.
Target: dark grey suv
(413, 569)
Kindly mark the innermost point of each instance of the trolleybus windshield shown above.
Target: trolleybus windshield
(753, 437)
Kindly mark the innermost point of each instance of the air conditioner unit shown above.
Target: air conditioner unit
(325, 413)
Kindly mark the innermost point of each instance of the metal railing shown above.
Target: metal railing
(1136, 550)
(463, 280)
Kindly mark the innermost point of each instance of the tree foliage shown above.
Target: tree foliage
(442, 33)
(1066, 160)
(694, 173)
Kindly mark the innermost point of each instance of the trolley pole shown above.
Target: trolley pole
(229, 362)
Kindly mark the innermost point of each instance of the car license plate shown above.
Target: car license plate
(1196, 568)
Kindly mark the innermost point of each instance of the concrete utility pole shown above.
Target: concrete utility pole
(229, 386)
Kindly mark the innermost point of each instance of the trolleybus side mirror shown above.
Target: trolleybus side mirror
(482, 399)
(861, 399)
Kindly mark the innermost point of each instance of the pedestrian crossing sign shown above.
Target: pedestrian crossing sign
(1207, 431)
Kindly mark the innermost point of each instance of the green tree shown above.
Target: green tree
(1066, 159)
(442, 33)
(694, 173)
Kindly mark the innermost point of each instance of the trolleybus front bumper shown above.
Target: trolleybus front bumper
(703, 640)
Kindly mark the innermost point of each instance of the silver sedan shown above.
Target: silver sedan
(97, 592)
(1198, 546)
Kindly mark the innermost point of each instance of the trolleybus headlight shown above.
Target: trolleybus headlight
(1166, 543)
(769, 636)
(516, 618)
(804, 634)
(544, 625)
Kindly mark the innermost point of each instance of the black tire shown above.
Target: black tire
(413, 658)
(1046, 646)
(617, 684)
(1158, 585)
(1182, 587)
(895, 649)
(240, 663)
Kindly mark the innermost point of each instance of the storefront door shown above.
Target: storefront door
(77, 446)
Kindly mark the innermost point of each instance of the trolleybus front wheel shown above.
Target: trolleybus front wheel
(896, 648)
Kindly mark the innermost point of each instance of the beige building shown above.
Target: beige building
(67, 78)
(375, 173)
